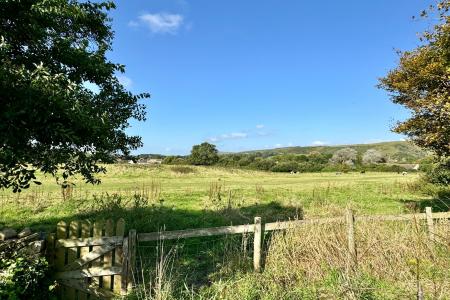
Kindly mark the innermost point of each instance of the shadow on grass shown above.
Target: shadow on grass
(439, 203)
(159, 217)
(196, 262)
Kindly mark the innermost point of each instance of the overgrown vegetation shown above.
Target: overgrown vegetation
(24, 276)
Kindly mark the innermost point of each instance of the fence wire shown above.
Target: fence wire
(193, 261)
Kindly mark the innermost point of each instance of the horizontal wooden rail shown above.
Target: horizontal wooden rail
(405, 217)
(296, 223)
(91, 241)
(189, 233)
(90, 272)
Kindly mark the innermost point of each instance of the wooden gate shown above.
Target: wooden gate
(91, 259)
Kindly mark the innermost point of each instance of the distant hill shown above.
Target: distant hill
(401, 152)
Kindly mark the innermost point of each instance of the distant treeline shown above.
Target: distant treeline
(314, 162)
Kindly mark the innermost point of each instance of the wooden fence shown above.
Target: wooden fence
(94, 259)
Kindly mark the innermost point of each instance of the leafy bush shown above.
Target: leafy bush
(384, 168)
(24, 277)
(285, 167)
(440, 173)
(262, 164)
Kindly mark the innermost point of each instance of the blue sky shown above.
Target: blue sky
(262, 74)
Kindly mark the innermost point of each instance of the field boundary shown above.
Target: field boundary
(93, 258)
(258, 229)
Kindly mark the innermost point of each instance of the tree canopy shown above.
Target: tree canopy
(373, 156)
(204, 154)
(50, 51)
(344, 156)
(421, 83)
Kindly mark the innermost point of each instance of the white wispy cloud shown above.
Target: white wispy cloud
(278, 145)
(125, 81)
(319, 143)
(229, 136)
(260, 126)
(159, 22)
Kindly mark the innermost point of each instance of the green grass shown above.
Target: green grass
(151, 198)
(179, 200)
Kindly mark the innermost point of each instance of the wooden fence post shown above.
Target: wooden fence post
(257, 241)
(430, 223)
(124, 278)
(351, 255)
(131, 259)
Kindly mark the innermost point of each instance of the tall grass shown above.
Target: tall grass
(395, 260)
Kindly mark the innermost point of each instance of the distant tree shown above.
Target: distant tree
(345, 156)
(373, 156)
(204, 154)
(49, 120)
(421, 83)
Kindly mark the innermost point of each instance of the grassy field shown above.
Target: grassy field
(184, 197)
(308, 263)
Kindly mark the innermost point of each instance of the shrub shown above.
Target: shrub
(285, 167)
(262, 164)
(440, 173)
(24, 277)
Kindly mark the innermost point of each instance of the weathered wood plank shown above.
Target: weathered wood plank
(108, 257)
(292, 224)
(351, 245)
(89, 272)
(257, 245)
(50, 249)
(189, 233)
(118, 256)
(132, 240)
(86, 227)
(90, 257)
(88, 288)
(91, 241)
(430, 223)
(60, 253)
(97, 232)
(405, 217)
(72, 254)
(124, 283)
(61, 233)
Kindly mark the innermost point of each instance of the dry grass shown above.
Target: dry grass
(393, 259)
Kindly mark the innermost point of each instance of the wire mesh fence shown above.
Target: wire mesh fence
(197, 261)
